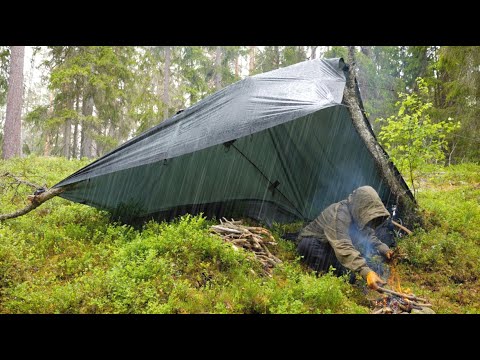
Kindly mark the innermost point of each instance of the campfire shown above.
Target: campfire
(393, 302)
(397, 302)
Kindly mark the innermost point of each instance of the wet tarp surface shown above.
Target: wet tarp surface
(278, 146)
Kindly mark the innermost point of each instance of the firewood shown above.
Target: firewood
(224, 229)
(232, 222)
(409, 297)
(250, 238)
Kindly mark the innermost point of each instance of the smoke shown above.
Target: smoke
(375, 260)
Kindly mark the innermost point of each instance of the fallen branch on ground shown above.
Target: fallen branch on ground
(250, 238)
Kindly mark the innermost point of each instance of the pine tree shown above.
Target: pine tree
(12, 131)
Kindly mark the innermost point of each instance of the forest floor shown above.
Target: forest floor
(65, 257)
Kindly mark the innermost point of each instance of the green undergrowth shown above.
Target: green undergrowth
(65, 257)
(442, 260)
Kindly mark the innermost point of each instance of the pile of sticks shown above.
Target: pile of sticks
(394, 302)
(251, 238)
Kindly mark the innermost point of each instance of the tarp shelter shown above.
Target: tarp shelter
(278, 146)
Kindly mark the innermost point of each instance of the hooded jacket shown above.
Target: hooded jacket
(344, 226)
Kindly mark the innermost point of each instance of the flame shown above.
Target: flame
(395, 303)
(394, 280)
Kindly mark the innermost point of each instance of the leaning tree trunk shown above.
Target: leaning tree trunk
(406, 205)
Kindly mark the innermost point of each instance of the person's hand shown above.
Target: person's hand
(374, 281)
(389, 255)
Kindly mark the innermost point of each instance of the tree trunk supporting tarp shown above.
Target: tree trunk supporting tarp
(405, 201)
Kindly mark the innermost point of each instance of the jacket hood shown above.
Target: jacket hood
(365, 205)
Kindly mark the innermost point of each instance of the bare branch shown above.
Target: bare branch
(21, 181)
(35, 200)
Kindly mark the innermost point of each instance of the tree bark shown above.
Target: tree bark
(75, 129)
(166, 82)
(12, 131)
(67, 138)
(314, 52)
(218, 68)
(405, 203)
(97, 146)
(251, 63)
(237, 66)
(68, 104)
(276, 58)
(75, 140)
(367, 51)
(87, 111)
(47, 148)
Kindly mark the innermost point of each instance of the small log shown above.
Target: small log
(240, 241)
(270, 255)
(401, 227)
(263, 231)
(409, 297)
(266, 259)
(224, 229)
(255, 243)
(233, 222)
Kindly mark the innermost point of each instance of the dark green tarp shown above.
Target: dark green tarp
(278, 146)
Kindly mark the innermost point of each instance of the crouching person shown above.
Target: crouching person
(344, 233)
